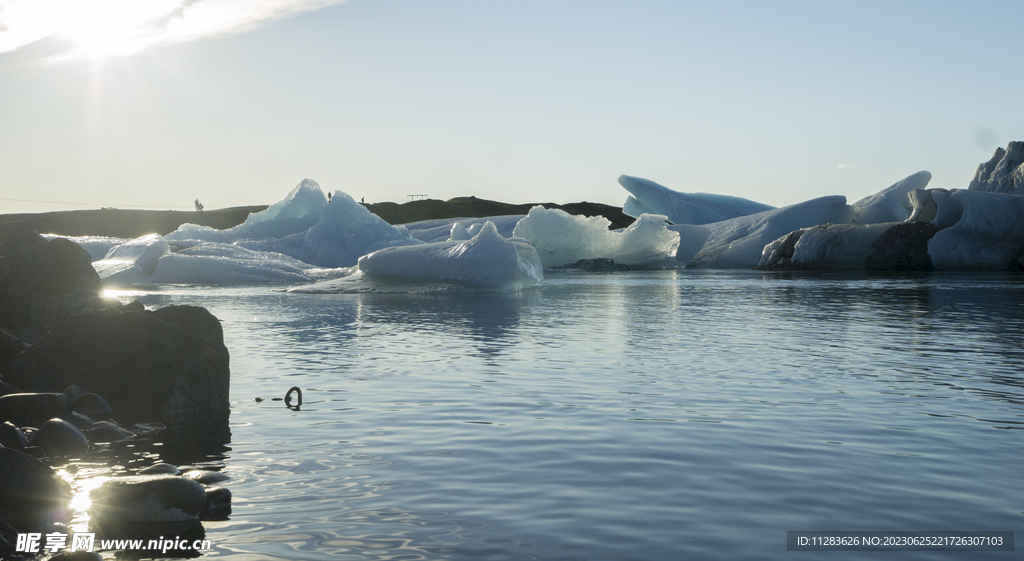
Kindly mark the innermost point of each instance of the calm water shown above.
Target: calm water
(669, 415)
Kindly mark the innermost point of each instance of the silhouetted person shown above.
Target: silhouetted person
(363, 200)
(199, 206)
(328, 197)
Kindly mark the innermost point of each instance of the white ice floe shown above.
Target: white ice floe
(488, 261)
(648, 197)
(562, 238)
(979, 230)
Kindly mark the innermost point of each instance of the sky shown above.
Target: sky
(154, 103)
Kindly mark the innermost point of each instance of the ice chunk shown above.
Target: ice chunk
(649, 197)
(1004, 173)
(562, 238)
(488, 261)
(739, 242)
(296, 213)
(459, 233)
(261, 268)
(891, 204)
(890, 246)
(691, 239)
(980, 231)
(440, 229)
(132, 261)
(347, 231)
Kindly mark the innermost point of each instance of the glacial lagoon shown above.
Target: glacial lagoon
(637, 415)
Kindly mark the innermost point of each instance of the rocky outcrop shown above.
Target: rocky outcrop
(147, 364)
(1003, 173)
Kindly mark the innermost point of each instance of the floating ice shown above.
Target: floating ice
(1004, 173)
(562, 238)
(692, 238)
(889, 205)
(488, 261)
(440, 229)
(979, 231)
(738, 243)
(887, 246)
(649, 197)
(132, 261)
(97, 246)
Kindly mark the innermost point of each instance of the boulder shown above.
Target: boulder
(56, 267)
(146, 364)
(30, 490)
(206, 477)
(148, 498)
(33, 405)
(218, 504)
(12, 437)
(92, 405)
(58, 437)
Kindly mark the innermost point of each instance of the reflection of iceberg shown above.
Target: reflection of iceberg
(563, 239)
(488, 261)
(648, 197)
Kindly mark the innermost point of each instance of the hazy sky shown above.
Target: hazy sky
(153, 103)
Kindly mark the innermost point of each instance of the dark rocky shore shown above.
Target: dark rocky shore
(81, 374)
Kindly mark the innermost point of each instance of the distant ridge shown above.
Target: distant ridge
(134, 223)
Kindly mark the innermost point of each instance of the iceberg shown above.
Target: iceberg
(487, 261)
(891, 204)
(899, 246)
(562, 239)
(648, 197)
(978, 231)
(1003, 173)
(440, 229)
(739, 242)
(296, 213)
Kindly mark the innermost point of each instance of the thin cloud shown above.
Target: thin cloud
(102, 27)
(845, 166)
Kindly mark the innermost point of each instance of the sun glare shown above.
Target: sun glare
(110, 27)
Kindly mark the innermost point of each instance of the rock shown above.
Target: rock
(92, 405)
(5, 268)
(206, 477)
(160, 468)
(60, 438)
(145, 363)
(77, 556)
(12, 243)
(83, 422)
(56, 267)
(8, 390)
(1003, 173)
(147, 429)
(10, 345)
(148, 498)
(73, 392)
(35, 452)
(33, 405)
(12, 437)
(218, 504)
(30, 490)
(106, 431)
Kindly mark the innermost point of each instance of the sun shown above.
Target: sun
(110, 27)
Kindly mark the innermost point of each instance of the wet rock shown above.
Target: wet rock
(10, 345)
(73, 392)
(33, 405)
(77, 556)
(35, 452)
(30, 490)
(145, 430)
(92, 405)
(166, 362)
(106, 431)
(148, 498)
(83, 422)
(206, 477)
(218, 504)
(60, 438)
(160, 468)
(12, 437)
(56, 267)
(5, 268)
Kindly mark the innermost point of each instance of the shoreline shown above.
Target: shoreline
(126, 223)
